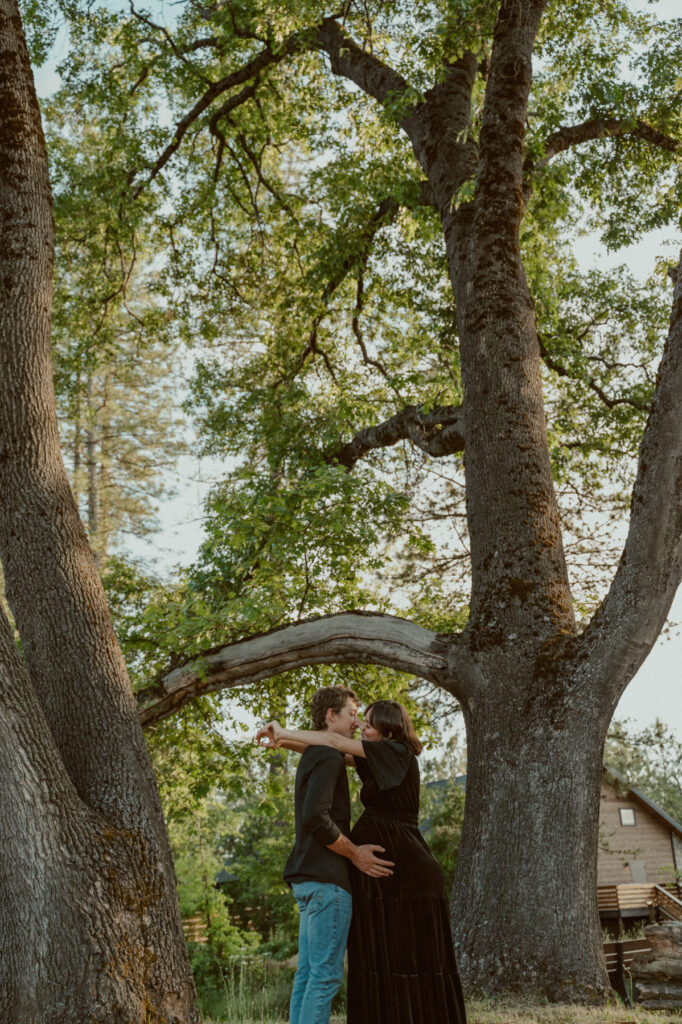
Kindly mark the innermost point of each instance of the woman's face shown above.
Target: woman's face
(369, 733)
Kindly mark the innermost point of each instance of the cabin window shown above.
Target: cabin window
(627, 816)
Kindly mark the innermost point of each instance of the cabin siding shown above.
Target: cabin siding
(649, 840)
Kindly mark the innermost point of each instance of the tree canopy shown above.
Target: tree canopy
(294, 245)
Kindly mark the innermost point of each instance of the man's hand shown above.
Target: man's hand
(363, 856)
(365, 860)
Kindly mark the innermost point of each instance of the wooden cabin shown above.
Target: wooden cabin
(640, 849)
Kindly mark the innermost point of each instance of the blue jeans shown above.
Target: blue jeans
(325, 911)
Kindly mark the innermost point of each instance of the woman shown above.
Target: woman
(401, 964)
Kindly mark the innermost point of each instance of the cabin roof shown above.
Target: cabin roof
(639, 795)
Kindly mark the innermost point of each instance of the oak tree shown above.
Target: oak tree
(89, 916)
(530, 378)
(367, 209)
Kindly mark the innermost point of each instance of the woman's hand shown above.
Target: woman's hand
(270, 736)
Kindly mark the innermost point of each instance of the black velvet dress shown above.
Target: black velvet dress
(401, 963)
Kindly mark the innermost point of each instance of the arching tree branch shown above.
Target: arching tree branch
(438, 432)
(362, 638)
(625, 627)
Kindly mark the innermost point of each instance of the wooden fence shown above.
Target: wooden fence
(619, 957)
(618, 954)
(195, 929)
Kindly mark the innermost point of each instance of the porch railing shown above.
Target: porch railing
(634, 900)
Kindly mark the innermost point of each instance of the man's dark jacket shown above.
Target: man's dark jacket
(322, 804)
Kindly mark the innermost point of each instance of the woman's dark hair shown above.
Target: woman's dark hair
(391, 720)
(333, 697)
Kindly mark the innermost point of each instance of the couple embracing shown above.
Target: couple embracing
(376, 887)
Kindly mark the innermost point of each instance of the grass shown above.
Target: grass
(257, 992)
(503, 1012)
(496, 1012)
(251, 992)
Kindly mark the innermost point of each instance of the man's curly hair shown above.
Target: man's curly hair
(333, 697)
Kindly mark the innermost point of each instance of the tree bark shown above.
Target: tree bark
(438, 432)
(519, 577)
(91, 460)
(99, 832)
(75, 892)
(524, 903)
(346, 638)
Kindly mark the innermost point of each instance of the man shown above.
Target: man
(317, 868)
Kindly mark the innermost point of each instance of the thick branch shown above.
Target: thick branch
(348, 638)
(437, 126)
(438, 432)
(625, 627)
(596, 128)
(504, 115)
(606, 127)
(440, 132)
(349, 60)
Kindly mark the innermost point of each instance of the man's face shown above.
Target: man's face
(345, 721)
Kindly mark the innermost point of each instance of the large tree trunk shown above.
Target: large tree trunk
(524, 905)
(91, 836)
(519, 578)
(75, 893)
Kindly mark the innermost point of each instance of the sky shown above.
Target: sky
(656, 690)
